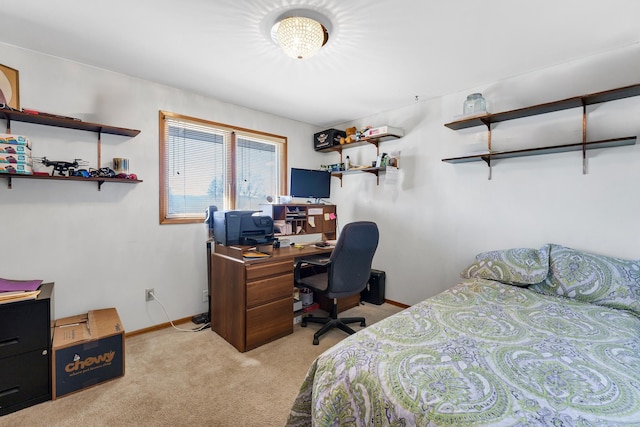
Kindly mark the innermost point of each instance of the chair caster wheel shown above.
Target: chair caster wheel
(363, 324)
(315, 341)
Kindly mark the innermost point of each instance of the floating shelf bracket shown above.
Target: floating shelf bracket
(373, 170)
(488, 124)
(99, 151)
(584, 137)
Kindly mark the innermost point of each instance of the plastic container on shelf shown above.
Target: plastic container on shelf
(474, 104)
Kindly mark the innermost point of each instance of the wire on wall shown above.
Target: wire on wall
(197, 329)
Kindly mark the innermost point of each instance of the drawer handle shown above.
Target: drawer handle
(9, 391)
(10, 341)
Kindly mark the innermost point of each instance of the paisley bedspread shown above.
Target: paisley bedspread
(482, 353)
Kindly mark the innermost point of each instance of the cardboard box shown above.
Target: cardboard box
(383, 131)
(87, 350)
(14, 149)
(7, 138)
(328, 138)
(16, 168)
(16, 158)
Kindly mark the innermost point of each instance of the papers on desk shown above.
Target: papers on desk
(18, 290)
(7, 285)
(254, 255)
(14, 296)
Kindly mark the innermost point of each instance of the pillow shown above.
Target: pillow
(597, 279)
(517, 266)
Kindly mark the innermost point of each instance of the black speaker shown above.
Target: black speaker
(374, 292)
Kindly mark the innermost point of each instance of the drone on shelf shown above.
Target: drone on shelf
(63, 168)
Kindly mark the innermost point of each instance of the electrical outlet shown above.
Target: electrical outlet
(148, 294)
(205, 296)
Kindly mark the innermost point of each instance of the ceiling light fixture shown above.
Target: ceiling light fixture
(300, 33)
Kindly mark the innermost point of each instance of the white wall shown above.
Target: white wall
(103, 248)
(440, 215)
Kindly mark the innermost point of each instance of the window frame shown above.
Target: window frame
(230, 163)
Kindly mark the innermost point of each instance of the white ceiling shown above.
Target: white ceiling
(381, 54)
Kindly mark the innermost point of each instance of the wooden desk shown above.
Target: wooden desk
(252, 300)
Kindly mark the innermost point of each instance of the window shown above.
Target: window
(203, 163)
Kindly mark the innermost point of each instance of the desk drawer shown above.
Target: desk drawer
(24, 326)
(271, 289)
(266, 269)
(25, 380)
(269, 322)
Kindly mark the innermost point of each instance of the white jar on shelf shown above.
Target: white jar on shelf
(474, 104)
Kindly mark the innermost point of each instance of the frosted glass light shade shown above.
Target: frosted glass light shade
(300, 37)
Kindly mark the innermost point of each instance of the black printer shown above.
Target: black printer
(242, 228)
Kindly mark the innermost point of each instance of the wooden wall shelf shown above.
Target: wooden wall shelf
(496, 155)
(373, 170)
(99, 180)
(563, 104)
(363, 141)
(63, 122)
(39, 119)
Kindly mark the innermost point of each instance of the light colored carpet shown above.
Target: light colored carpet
(178, 378)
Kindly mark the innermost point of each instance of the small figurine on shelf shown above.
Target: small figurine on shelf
(351, 136)
(362, 133)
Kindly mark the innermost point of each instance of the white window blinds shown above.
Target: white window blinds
(206, 163)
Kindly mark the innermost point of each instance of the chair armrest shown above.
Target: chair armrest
(320, 262)
(304, 262)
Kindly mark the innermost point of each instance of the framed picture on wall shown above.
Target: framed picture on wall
(9, 87)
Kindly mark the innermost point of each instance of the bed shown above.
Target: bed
(531, 337)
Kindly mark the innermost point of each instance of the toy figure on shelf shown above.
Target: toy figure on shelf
(362, 133)
(351, 136)
(102, 173)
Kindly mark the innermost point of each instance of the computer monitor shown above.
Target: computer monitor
(313, 184)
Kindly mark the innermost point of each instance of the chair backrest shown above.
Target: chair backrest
(351, 259)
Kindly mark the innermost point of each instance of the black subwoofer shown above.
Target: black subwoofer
(374, 292)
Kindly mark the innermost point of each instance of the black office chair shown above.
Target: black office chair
(347, 273)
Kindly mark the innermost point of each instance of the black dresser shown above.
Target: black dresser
(25, 351)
